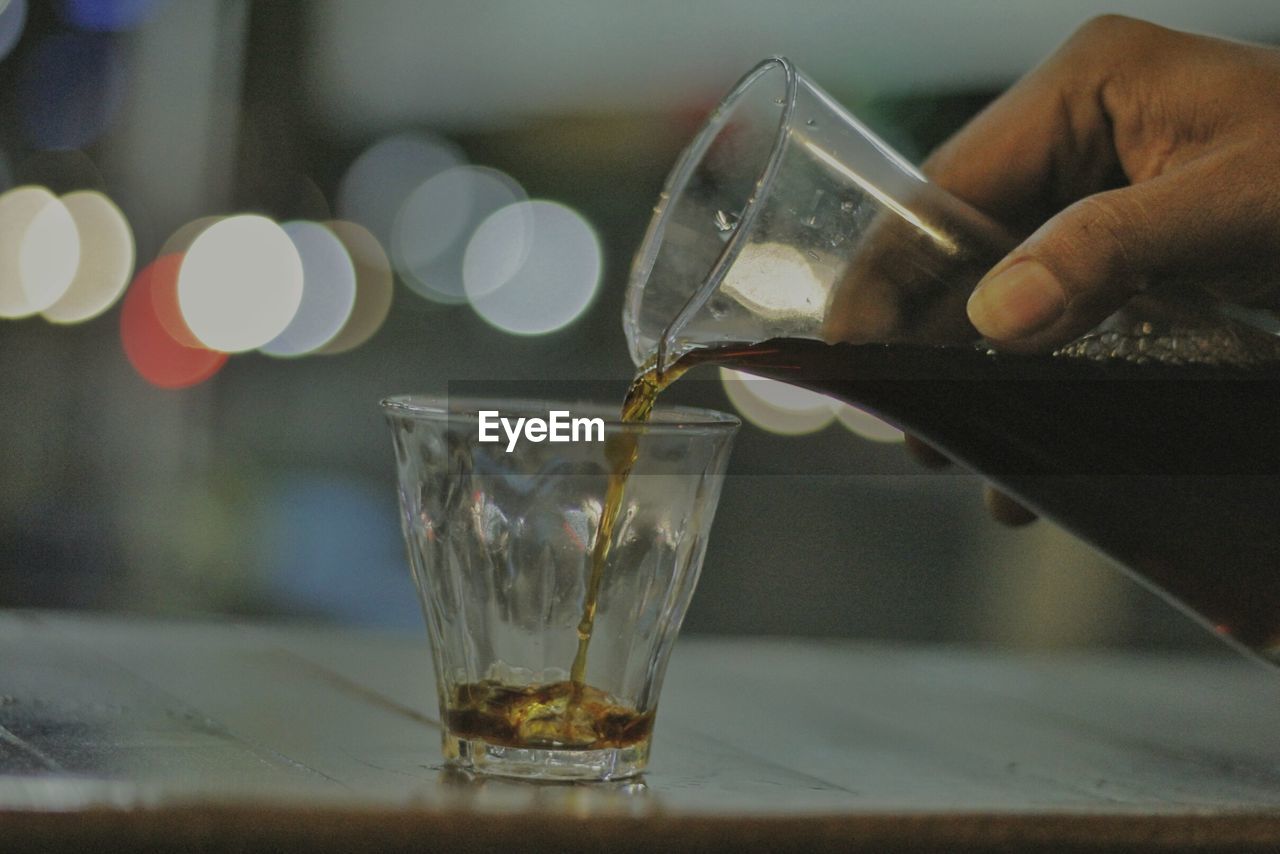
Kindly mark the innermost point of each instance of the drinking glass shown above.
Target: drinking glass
(500, 544)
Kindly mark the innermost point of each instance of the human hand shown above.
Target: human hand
(1135, 157)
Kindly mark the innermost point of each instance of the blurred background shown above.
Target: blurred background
(366, 198)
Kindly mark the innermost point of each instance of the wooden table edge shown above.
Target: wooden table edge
(199, 827)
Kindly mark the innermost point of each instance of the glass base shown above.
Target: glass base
(609, 763)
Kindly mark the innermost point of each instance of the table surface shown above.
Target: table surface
(206, 736)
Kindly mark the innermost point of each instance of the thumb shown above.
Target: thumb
(1083, 264)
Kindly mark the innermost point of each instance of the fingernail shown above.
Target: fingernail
(1019, 300)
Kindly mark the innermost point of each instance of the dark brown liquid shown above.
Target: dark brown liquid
(1172, 470)
(561, 715)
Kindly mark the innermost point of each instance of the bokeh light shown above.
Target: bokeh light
(328, 291)
(72, 86)
(775, 406)
(106, 258)
(18, 208)
(49, 256)
(789, 410)
(164, 289)
(240, 284)
(374, 287)
(378, 182)
(164, 302)
(13, 17)
(532, 267)
(108, 16)
(866, 425)
(501, 250)
(154, 354)
(429, 238)
(776, 282)
(39, 250)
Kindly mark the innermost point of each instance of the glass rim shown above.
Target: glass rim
(446, 408)
(647, 255)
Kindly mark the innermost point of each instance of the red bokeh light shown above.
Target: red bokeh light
(154, 353)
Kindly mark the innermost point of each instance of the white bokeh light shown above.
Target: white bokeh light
(240, 284)
(776, 406)
(789, 410)
(328, 291)
(378, 182)
(429, 239)
(775, 281)
(49, 255)
(532, 267)
(106, 258)
(374, 287)
(866, 425)
(497, 250)
(18, 207)
(39, 250)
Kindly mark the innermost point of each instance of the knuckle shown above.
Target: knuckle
(1108, 42)
(1110, 29)
(1104, 49)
